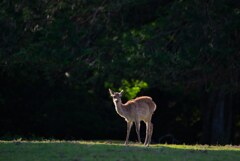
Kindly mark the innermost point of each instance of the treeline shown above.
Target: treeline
(58, 58)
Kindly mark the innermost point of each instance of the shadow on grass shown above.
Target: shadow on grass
(112, 150)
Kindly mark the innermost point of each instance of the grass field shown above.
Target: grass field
(112, 151)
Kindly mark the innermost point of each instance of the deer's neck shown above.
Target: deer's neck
(119, 108)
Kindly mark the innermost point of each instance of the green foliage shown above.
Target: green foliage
(57, 59)
(132, 88)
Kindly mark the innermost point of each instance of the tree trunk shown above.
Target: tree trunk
(217, 131)
(207, 103)
(217, 118)
(229, 119)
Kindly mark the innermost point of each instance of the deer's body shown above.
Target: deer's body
(136, 110)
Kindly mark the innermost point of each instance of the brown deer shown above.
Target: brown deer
(136, 110)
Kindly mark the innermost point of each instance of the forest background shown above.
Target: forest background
(59, 57)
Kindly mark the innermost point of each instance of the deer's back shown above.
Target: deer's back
(141, 107)
(146, 101)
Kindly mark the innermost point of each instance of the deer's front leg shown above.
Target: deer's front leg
(129, 126)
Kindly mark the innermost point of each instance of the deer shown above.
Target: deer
(135, 111)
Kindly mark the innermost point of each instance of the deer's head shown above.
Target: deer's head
(116, 95)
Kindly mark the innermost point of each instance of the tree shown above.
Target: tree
(58, 58)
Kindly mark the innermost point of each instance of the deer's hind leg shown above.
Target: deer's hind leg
(137, 125)
(147, 133)
(150, 133)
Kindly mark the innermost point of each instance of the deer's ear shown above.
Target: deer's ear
(121, 93)
(111, 92)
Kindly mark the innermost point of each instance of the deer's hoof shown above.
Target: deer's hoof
(146, 144)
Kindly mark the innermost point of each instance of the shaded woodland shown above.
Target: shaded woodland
(59, 57)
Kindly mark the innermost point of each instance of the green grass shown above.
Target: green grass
(112, 151)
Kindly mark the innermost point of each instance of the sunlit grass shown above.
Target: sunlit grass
(60, 150)
(202, 147)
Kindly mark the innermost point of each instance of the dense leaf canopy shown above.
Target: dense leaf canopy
(58, 59)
